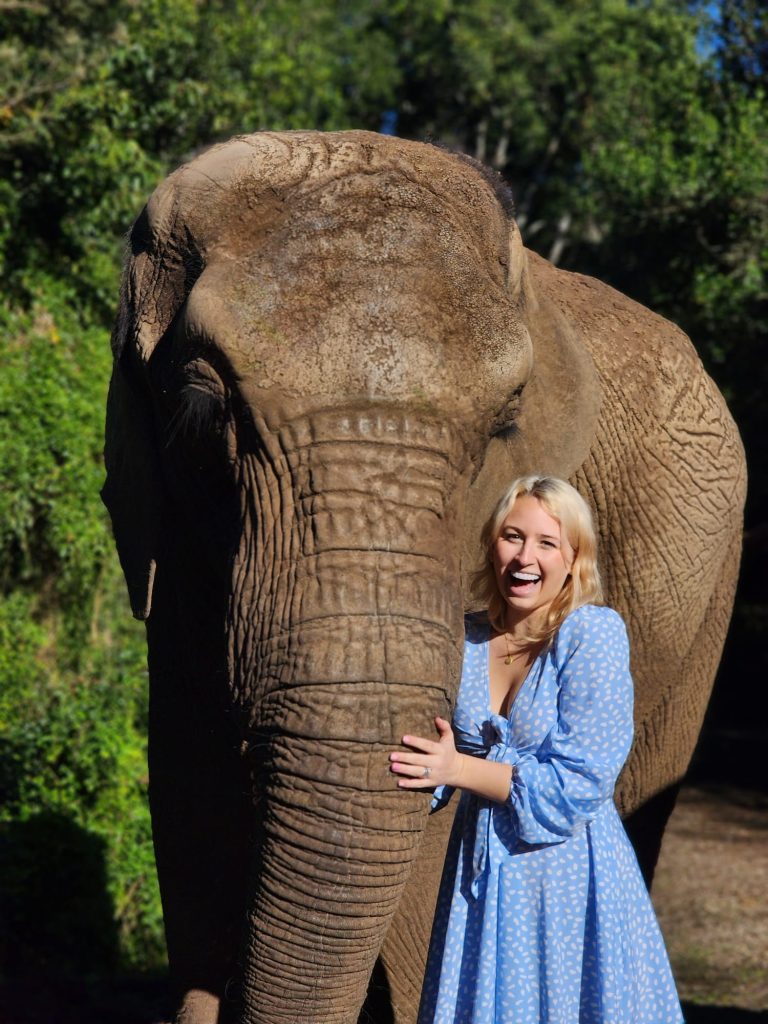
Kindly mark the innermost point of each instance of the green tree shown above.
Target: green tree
(72, 677)
(740, 41)
(101, 99)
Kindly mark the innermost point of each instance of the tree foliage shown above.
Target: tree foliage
(102, 98)
(72, 675)
(633, 133)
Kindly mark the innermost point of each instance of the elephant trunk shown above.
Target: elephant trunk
(349, 605)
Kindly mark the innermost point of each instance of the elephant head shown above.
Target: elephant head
(329, 349)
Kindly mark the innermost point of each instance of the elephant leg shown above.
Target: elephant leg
(201, 834)
(677, 721)
(403, 954)
(201, 808)
(198, 1007)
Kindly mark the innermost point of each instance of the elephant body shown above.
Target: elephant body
(332, 354)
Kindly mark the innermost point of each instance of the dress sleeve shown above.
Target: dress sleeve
(561, 787)
(440, 798)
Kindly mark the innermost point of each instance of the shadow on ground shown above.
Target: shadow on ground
(144, 1001)
(695, 1014)
(128, 1000)
(59, 949)
(56, 918)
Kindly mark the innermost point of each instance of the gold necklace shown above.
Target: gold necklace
(511, 655)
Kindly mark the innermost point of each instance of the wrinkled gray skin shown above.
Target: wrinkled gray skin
(332, 354)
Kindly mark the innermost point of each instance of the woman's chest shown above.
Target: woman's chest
(532, 714)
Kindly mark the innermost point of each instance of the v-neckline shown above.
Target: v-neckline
(520, 688)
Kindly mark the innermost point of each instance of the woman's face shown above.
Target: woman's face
(531, 559)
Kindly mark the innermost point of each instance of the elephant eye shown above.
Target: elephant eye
(199, 413)
(504, 421)
(199, 407)
(199, 450)
(200, 445)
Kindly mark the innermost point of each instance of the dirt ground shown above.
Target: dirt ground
(711, 897)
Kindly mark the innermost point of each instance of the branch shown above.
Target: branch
(41, 89)
(530, 229)
(561, 239)
(23, 5)
(525, 203)
(502, 146)
(480, 141)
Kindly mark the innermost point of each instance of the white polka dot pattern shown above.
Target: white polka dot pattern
(543, 916)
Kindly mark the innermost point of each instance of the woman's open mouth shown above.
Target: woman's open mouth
(523, 582)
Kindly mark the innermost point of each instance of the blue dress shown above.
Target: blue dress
(543, 916)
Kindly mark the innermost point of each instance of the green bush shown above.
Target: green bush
(73, 748)
(72, 661)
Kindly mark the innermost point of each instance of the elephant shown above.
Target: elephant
(332, 353)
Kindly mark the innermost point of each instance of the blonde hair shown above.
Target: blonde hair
(583, 586)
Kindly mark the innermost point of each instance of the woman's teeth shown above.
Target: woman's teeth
(525, 577)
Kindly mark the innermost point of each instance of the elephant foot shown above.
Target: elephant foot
(198, 1007)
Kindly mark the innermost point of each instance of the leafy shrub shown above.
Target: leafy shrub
(72, 663)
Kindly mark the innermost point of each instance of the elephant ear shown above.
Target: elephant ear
(559, 410)
(132, 491)
(159, 275)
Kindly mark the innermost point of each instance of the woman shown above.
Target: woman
(543, 917)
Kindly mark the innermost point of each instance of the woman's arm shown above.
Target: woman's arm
(559, 788)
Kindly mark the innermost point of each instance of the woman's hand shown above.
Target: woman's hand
(445, 766)
(431, 763)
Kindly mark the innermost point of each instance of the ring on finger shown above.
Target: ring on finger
(426, 773)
